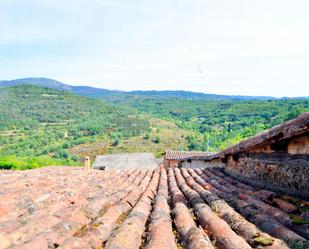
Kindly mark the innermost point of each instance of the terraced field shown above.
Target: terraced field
(63, 207)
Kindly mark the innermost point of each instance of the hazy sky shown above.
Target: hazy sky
(252, 47)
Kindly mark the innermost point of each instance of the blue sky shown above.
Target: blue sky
(247, 47)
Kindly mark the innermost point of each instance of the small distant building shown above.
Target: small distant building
(188, 159)
(125, 161)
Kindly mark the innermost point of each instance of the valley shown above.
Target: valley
(48, 124)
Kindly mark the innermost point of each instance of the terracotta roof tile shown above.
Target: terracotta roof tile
(63, 207)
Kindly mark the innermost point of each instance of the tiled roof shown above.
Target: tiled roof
(277, 134)
(184, 155)
(63, 207)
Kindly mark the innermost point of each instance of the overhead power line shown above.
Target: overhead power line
(188, 39)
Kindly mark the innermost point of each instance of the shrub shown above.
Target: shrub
(61, 154)
(156, 140)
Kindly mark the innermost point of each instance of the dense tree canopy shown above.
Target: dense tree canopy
(37, 121)
(40, 126)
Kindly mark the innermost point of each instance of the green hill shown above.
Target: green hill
(41, 123)
(217, 124)
(43, 126)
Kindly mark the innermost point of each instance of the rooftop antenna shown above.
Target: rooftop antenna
(190, 46)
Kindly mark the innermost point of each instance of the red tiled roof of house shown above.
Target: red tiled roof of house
(65, 208)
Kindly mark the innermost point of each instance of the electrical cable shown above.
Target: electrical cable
(189, 42)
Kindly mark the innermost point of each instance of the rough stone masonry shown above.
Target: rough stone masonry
(277, 159)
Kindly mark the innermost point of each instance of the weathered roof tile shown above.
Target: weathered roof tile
(72, 209)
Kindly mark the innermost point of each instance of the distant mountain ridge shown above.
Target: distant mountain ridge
(44, 82)
(57, 85)
(101, 93)
(44, 126)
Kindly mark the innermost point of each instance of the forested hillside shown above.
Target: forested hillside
(217, 124)
(43, 126)
(38, 125)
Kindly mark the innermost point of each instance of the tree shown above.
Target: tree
(156, 140)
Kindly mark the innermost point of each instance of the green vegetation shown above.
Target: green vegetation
(297, 220)
(27, 162)
(41, 126)
(161, 136)
(218, 123)
(297, 244)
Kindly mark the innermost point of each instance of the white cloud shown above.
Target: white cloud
(244, 47)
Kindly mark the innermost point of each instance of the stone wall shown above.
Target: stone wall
(193, 164)
(275, 171)
(202, 163)
(299, 145)
(170, 163)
